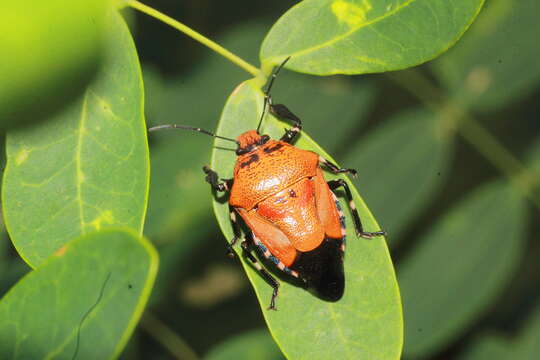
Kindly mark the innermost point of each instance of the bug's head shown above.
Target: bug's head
(249, 141)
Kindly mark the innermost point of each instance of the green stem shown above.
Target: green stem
(195, 35)
(475, 134)
(166, 337)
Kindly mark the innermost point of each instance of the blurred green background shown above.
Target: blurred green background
(448, 155)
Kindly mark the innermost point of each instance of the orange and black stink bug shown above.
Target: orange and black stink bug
(294, 217)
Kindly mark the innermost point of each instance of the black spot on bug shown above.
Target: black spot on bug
(270, 149)
(292, 193)
(252, 159)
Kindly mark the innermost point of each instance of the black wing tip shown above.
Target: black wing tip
(322, 270)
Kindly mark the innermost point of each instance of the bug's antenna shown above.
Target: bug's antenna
(267, 92)
(184, 127)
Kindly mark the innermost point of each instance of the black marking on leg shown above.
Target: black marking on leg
(335, 169)
(212, 178)
(341, 223)
(334, 184)
(265, 274)
(253, 158)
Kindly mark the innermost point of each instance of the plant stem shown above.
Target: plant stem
(195, 35)
(474, 133)
(166, 337)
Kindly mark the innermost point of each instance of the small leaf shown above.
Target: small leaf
(251, 345)
(483, 70)
(366, 323)
(461, 266)
(410, 156)
(50, 52)
(362, 36)
(85, 169)
(91, 292)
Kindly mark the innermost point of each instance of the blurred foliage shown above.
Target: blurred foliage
(37, 80)
(461, 229)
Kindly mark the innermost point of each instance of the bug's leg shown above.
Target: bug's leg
(334, 184)
(236, 230)
(282, 112)
(213, 179)
(246, 247)
(334, 168)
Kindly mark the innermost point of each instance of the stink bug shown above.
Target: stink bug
(294, 218)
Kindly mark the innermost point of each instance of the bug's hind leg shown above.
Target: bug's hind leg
(336, 169)
(212, 178)
(334, 184)
(247, 248)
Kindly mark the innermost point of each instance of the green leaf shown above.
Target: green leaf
(366, 323)
(461, 265)
(85, 169)
(362, 36)
(50, 51)
(484, 70)
(98, 283)
(408, 171)
(256, 344)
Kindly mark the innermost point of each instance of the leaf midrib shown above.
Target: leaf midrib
(78, 150)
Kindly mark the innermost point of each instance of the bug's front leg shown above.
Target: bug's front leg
(283, 112)
(334, 184)
(212, 178)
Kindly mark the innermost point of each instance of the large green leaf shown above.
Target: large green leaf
(496, 61)
(50, 51)
(85, 169)
(366, 323)
(410, 156)
(362, 36)
(461, 266)
(251, 345)
(84, 300)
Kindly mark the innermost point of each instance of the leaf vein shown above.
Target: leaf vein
(352, 30)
